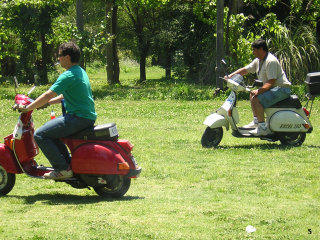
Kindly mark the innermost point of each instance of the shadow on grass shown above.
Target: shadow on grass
(312, 146)
(66, 199)
(262, 146)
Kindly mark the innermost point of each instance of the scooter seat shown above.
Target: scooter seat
(290, 102)
(99, 132)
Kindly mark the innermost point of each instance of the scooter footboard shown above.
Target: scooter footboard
(216, 120)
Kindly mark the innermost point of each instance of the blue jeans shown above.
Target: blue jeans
(48, 138)
(274, 95)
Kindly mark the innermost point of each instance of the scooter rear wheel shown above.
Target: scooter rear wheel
(116, 187)
(292, 139)
(7, 181)
(211, 137)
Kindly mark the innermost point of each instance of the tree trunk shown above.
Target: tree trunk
(143, 48)
(109, 49)
(143, 45)
(143, 76)
(220, 51)
(318, 30)
(113, 69)
(116, 67)
(80, 26)
(43, 64)
(168, 64)
(228, 32)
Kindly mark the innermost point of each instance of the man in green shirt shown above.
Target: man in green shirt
(73, 86)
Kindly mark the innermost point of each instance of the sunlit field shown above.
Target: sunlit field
(184, 191)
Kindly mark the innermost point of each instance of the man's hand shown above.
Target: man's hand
(254, 92)
(20, 108)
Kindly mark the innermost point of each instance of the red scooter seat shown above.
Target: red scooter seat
(99, 132)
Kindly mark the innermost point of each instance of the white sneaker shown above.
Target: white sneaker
(253, 124)
(56, 175)
(261, 130)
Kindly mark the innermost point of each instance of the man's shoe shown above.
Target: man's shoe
(260, 131)
(57, 175)
(251, 125)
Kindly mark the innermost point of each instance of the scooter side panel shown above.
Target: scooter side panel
(216, 120)
(7, 160)
(26, 148)
(287, 121)
(95, 158)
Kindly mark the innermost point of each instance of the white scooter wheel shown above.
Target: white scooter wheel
(211, 137)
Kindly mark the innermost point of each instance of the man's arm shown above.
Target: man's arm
(241, 71)
(269, 84)
(56, 100)
(40, 101)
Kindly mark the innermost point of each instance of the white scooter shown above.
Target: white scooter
(287, 120)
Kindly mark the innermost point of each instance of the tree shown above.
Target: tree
(220, 49)
(80, 26)
(32, 20)
(113, 69)
(8, 48)
(144, 16)
(167, 40)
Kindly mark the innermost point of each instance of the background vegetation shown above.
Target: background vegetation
(178, 35)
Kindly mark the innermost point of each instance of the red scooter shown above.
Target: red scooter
(98, 158)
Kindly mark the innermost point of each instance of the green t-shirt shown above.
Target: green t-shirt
(75, 86)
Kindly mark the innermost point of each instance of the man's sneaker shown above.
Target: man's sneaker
(261, 130)
(253, 124)
(56, 175)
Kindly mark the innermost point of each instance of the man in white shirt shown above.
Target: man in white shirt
(276, 86)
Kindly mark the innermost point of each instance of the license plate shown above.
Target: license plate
(113, 131)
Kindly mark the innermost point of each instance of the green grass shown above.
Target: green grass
(184, 191)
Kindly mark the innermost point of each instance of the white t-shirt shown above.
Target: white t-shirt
(269, 68)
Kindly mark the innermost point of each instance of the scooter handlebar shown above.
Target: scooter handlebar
(16, 106)
(235, 86)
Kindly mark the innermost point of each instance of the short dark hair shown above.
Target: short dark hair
(71, 49)
(260, 43)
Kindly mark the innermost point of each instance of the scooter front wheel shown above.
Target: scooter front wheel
(211, 137)
(116, 187)
(292, 139)
(7, 181)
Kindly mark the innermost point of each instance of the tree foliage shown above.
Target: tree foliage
(178, 35)
(32, 21)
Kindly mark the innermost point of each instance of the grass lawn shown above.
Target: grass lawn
(184, 191)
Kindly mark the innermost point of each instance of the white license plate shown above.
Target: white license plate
(113, 131)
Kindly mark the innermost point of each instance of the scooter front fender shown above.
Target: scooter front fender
(8, 161)
(216, 120)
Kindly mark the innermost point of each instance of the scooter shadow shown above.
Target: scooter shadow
(66, 199)
(261, 146)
